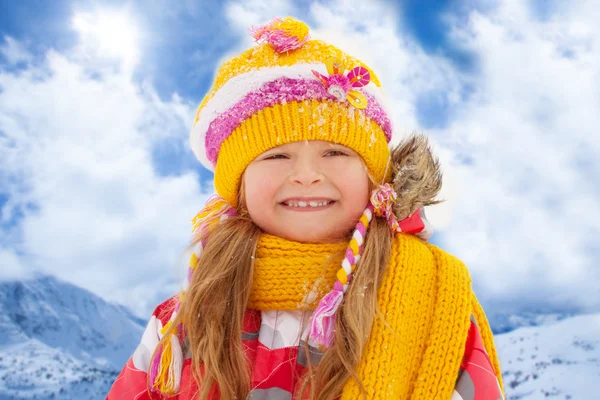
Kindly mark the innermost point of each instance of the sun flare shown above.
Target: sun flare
(108, 33)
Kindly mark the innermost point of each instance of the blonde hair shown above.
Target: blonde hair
(212, 311)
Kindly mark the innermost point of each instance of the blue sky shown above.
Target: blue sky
(98, 183)
(171, 38)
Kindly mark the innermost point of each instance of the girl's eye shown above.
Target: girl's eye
(276, 157)
(336, 153)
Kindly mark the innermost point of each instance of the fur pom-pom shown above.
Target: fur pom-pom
(282, 34)
(416, 176)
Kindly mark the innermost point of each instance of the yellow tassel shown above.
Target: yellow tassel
(165, 381)
(165, 328)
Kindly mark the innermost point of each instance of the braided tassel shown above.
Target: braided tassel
(355, 247)
(323, 320)
(165, 374)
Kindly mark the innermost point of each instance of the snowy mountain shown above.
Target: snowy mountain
(59, 341)
(560, 360)
(503, 323)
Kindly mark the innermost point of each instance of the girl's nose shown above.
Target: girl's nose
(306, 172)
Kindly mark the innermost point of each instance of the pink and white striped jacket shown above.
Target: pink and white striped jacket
(273, 341)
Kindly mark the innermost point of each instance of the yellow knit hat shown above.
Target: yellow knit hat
(286, 90)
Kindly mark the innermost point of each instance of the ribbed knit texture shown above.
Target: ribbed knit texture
(297, 121)
(286, 273)
(425, 298)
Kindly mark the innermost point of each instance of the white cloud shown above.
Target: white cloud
(14, 52)
(76, 142)
(12, 268)
(528, 217)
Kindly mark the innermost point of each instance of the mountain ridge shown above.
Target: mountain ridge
(61, 341)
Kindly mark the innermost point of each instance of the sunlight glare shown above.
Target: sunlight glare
(110, 34)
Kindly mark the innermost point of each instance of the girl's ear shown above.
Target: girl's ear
(416, 175)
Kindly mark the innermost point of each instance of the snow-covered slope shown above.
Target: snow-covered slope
(60, 341)
(502, 323)
(560, 360)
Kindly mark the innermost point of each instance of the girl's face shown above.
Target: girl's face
(311, 191)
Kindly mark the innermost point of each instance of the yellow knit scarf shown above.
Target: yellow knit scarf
(425, 296)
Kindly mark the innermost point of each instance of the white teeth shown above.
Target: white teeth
(304, 204)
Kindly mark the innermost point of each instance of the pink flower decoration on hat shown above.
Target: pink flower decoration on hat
(359, 76)
(342, 86)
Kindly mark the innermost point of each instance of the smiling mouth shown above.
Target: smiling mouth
(306, 205)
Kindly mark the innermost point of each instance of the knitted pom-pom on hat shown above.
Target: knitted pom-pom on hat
(282, 34)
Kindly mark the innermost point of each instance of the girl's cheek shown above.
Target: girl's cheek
(262, 181)
(347, 168)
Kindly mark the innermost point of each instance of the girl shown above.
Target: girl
(310, 275)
